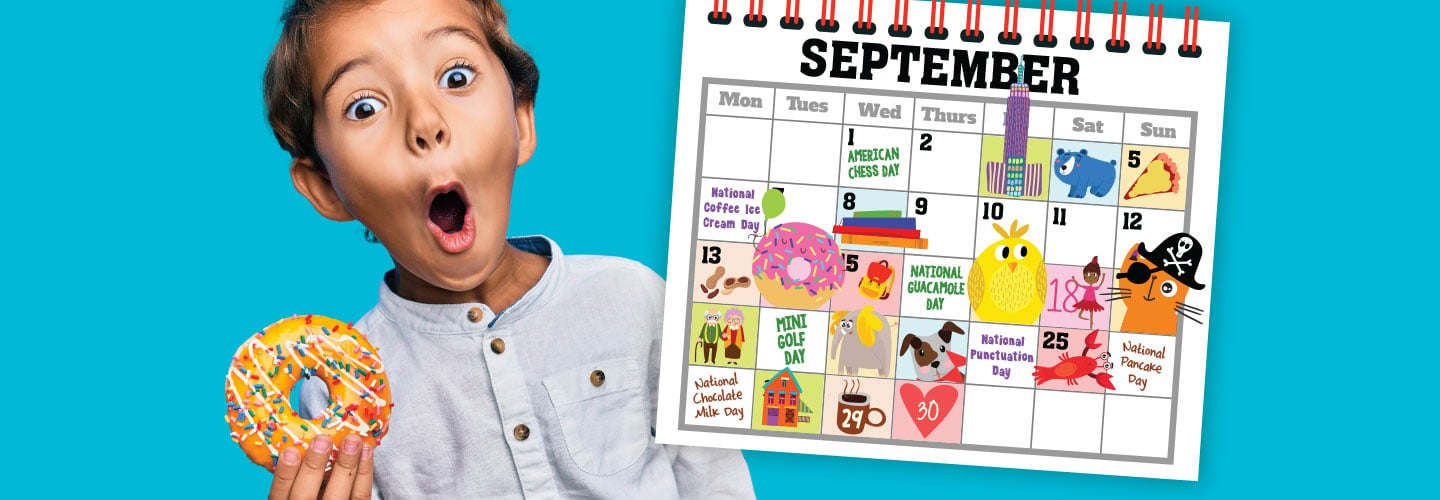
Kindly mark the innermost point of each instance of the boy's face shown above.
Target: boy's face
(419, 134)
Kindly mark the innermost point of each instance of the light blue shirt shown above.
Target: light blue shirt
(458, 402)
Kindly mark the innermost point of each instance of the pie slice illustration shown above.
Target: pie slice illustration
(1160, 176)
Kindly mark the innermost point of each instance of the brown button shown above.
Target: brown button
(497, 346)
(475, 315)
(597, 378)
(522, 432)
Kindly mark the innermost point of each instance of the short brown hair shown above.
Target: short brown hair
(288, 103)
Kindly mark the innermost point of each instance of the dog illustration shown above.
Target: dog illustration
(861, 339)
(934, 359)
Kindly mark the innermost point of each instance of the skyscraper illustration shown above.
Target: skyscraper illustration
(1014, 177)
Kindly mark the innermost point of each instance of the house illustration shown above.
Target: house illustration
(783, 407)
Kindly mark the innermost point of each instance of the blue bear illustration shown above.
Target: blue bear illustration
(1082, 172)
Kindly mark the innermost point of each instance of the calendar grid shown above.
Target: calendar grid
(979, 199)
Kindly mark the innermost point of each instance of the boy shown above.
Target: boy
(515, 370)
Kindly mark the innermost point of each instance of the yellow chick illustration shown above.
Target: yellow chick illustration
(1008, 283)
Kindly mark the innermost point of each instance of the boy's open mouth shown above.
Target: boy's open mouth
(448, 211)
(450, 219)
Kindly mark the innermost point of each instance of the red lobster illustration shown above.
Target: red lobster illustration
(1071, 369)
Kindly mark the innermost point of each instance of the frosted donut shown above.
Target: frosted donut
(265, 369)
(797, 265)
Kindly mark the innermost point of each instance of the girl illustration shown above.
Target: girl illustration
(1093, 277)
(733, 335)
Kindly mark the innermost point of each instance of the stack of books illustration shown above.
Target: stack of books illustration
(885, 228)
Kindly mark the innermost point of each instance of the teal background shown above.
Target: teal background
(149, 225)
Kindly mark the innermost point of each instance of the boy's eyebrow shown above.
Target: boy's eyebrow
(456, 30)
(335, 76)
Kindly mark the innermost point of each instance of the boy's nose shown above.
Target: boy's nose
(428, 130)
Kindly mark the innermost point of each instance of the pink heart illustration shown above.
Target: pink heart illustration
(928, 416)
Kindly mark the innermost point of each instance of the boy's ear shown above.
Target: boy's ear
(314, 184)
(525, 127)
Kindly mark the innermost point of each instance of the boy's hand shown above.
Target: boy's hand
(350, 478)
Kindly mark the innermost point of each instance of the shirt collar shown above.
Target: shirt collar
(447, 319)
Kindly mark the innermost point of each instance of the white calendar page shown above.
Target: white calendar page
(910, 261)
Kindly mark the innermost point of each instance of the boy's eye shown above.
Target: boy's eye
(457, 77)
(364, 108)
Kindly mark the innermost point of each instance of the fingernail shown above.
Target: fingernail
(289, 456)
(350, 443)
(321, 444)
(365, 452)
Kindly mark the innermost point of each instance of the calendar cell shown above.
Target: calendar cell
(861, 342)
(1031, 170)
(723, 335)
(952, 116)
(928, 411)
(1085, 172)
(878, 221)
(882, 111)
(1157, 130)
(875, 158)
(1143, 364)
(932, 350)
(734, 100)
(804, 152)
(944, 162)
(793, 339)
(805, 105)
(871, 279)
(1155, 177)
(722, 274)
(1089, 125)
(998, 416)
(788, 401)
(1070, 359)
(1136, 225)
(729, 210)
(1077, 233)
(1042, 120)
(858, 406)
(936, 217)
(1001, 355)
(813, 205)
(1004, 212)
(1068, 421)
(718, 396)
(1078, 297)
(1137, 426)
(736, 148)
(935, 288)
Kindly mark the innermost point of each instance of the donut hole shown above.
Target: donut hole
(297, 395)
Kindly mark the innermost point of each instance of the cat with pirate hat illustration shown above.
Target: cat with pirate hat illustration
(1153, 285)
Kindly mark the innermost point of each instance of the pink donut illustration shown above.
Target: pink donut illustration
(797, 265)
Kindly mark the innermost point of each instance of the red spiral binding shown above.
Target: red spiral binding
(901, 26)
(1153, 45)
(972, 31)
(937, 32)
(720, 14)
(1010, 32)
(865, 25)
(756, 17)
(826, 23)
(1082, 13)
(1191, 47)
(1046, 36)
(1118, 12)
(792, 20)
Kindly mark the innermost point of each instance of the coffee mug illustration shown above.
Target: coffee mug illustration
(853, 411)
